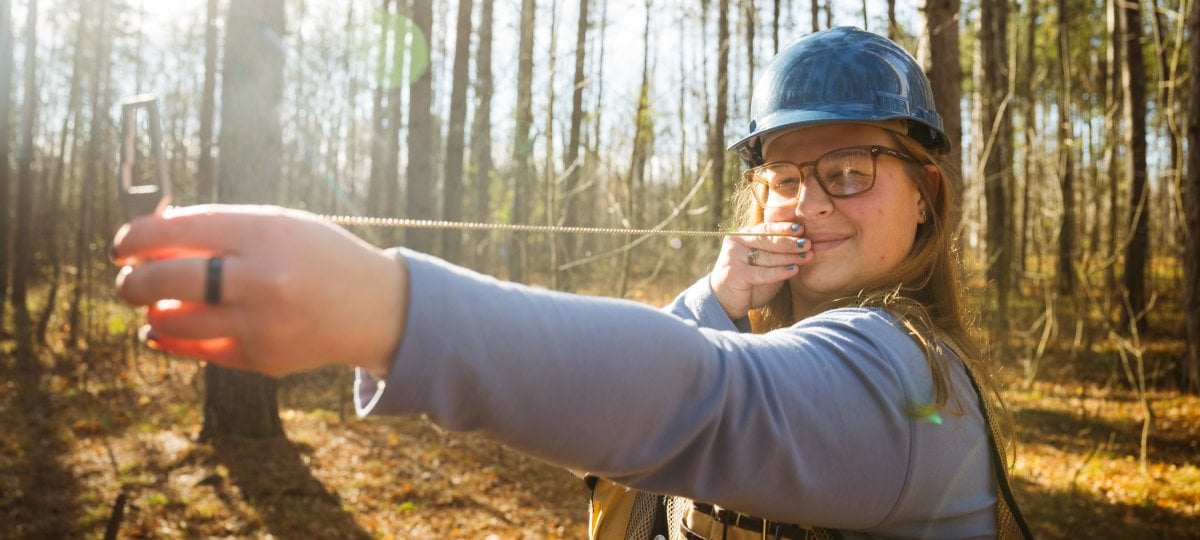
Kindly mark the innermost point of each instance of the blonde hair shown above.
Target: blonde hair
(925, 292)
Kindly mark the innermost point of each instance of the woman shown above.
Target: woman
(849, 409)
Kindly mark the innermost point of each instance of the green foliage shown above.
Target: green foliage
(117, 326)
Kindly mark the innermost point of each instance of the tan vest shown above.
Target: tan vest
(621, 513)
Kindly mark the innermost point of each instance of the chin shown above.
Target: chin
(816, 287)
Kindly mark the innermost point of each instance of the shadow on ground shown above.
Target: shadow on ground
(33, 475)
(274, 479)
(1063, 514)
(1081, 435)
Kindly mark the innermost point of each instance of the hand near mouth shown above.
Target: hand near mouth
(751, 269)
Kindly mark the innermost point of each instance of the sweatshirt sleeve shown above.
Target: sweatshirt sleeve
(699, 305)
(806, 424)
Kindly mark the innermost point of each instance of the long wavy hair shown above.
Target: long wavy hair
(925, 292)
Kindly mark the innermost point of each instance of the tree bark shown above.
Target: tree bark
(1066, 171)
(1191, 200)
(419, 173)
(944, 69)
(6, 67)
(1030, 133)
(376, 193)
(481, 127)
(751, 22)
(997, 152)
(68, 140)
(1114, 112)
(550, 203)
(239, 403)
(592, 157)
(481, 130)
(643, 133)
(816, 16)
(206, 167)
(893, 25)
(1137, 249)
(452, 183)
(407, 61)
(522, 144)
(94, 162)
(571, 161)
(23, 243)
(775, 27)
(716, 135)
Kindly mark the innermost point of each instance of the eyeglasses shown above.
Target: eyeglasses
(840, 173)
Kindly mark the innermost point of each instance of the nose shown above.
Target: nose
(812, 201)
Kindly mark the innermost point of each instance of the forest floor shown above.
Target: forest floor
(103, 424)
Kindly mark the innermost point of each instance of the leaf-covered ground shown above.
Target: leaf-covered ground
(96, 425)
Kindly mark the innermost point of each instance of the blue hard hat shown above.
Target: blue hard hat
(842, 74)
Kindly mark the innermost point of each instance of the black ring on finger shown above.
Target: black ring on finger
(212, 281)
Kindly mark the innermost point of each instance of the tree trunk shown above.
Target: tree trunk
(522, 144)
(23, 244)
(1066, 170)
(1137, 249)
(1190, 367)
(944, 69)
(481, 130)
(592, 160)
(406, 60)
(997, 151)
(68, 140)
(452, 184)
(1114, 112)
(376, 193)
(571, 161)
(1030, 133)
(340, 195)
(893, 25)
(775, 27)
(643, 132)
(239, 403)
(716, 135)
(419, 174)
(751, 22)
(206, 168)
(94, 162)
(1165, 108)
(550, 202)
(6, 67)
(816, 16)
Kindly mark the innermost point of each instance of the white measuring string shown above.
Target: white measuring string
(408, 223)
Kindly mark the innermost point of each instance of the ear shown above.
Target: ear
(933, 176)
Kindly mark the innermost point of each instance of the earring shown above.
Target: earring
(923, 216)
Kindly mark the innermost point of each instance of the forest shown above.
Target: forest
(1073, 122)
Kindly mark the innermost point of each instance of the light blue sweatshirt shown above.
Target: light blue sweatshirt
(808, 424)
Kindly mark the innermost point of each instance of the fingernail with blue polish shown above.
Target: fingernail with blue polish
(791, 267)
(795, 227)
(804, 255)
(148, 335)
(801, 243)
